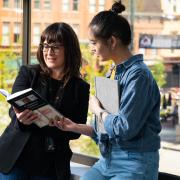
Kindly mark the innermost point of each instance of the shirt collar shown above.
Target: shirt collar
(129, 62)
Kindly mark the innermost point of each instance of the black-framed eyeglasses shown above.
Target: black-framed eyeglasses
(54, 47)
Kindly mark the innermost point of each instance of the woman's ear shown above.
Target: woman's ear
(112, 41)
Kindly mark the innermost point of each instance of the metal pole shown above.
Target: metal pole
(132, 19)
(26, 54)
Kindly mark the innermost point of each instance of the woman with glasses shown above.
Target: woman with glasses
(44, 153)
(129, 141)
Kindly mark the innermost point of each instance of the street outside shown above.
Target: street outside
(170, 151)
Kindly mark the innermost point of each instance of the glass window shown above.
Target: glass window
(36, 33)
(65, 5)
(101, 5)
(47, 4)
(17, 4)
(37, 4)
(6, 3)
(16, 32)
(92, 6)
(10, 53)
(6, 34)
(76, 28)
(75, 5)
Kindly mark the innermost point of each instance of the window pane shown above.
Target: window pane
(92, 6)
(47, 4)
(101, 5)
(36, 33)
(65, 5)
(75, 5)
(6, 34)
(10, 51)
(16, 32)
(37, 4)
(17, 4)
(6, 3)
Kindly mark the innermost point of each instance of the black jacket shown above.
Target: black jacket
(24, 145)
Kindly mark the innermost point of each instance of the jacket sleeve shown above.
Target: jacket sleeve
(22, 81)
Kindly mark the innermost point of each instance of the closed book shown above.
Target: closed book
(107, 91)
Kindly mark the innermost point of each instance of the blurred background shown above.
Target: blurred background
(156, 34)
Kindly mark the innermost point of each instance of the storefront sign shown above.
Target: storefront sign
(159, 41)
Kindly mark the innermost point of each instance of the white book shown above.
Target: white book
(107, 92)
(30, 99)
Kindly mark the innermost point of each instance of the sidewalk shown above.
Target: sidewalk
(168, 137)
(170, 150)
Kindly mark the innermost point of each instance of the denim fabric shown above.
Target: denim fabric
(18, 174)
(125, 165)
(136, 126)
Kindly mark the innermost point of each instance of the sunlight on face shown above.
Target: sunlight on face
(53, 55)
(98, 47)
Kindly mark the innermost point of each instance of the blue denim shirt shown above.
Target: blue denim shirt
(136, 127)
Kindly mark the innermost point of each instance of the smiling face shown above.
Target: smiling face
(100, 48)
(53, 55)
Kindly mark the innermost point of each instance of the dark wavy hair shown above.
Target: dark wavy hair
(109, 23)
(62, 33)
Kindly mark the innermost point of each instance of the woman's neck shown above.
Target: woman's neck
(121, 55)
(56, 74)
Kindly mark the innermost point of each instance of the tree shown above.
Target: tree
(158, 71)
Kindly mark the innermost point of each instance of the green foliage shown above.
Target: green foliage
(158, 71)
(85, 145)
(4, 116)
(91, 66)
(7, 71)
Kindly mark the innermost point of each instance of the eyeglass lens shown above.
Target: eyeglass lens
(54, 47)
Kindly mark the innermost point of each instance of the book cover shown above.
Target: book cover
(30, 99)
(107, 91)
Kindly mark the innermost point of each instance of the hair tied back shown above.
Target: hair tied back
(117, 8)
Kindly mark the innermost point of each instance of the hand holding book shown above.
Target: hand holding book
(26, 117)
(32, 106)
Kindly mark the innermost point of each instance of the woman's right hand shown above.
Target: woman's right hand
(26, 117)
(64, 124)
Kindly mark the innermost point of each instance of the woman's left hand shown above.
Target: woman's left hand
(94, 105)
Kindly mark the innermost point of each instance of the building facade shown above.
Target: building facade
(158, 17)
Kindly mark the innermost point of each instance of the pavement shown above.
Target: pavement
(170, 150)
(169, 137)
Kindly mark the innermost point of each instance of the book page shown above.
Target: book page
(42, 120)
(4, 93)
(50, 112)
(14, 95)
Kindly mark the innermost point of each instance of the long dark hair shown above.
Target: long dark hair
(109, 23)
(62, 33)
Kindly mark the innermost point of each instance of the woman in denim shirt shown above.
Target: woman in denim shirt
(130, 146)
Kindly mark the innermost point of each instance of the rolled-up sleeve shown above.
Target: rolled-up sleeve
(134, 108)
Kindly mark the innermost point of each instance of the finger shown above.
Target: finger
(28, 117)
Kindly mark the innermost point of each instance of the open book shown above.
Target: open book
(107, 91)
(30, 99)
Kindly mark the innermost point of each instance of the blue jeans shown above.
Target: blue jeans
(125, 165)
(18, 174)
